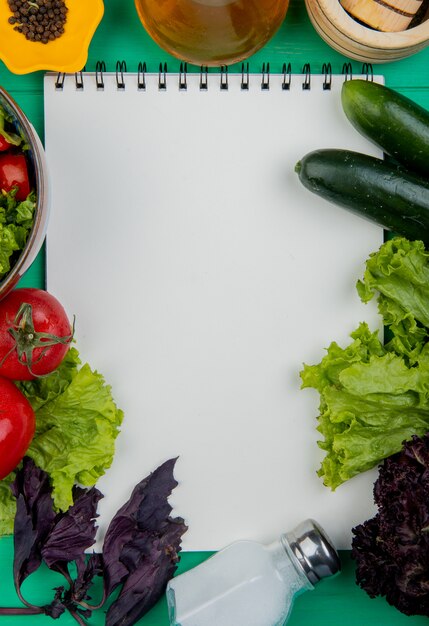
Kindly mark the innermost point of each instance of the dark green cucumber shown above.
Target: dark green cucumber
(392, 121)
(384, 193)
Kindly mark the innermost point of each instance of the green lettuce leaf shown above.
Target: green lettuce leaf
(374, 396)
(7, 506)
(16, 221)
(9, 135)
(8, 245)
(399, 275)
(77, 424)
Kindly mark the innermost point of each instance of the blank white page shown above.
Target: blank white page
(203, 275)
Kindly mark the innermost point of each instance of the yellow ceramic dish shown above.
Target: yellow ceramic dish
(68, 53)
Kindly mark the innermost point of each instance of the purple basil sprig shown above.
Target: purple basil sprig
(34, 519)
(392, 548)
(141, 547)
(140, 550)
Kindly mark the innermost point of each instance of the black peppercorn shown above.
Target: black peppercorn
(38, 20)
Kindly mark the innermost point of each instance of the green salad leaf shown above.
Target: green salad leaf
(399, 274)
(9, 135)
(374, 396)
(7, 506)
(16, 221)
(77, 424)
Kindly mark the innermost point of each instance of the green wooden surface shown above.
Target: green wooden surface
(336, 602)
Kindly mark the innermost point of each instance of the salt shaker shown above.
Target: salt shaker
(250, 584)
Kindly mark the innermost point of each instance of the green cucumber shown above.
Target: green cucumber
(392, 121)
(384, 193)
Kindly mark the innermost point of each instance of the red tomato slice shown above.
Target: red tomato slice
(17, 426)
(14, 173)
(35, 334)
(4, 144)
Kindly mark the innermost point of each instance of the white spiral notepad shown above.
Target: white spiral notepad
(203, 275)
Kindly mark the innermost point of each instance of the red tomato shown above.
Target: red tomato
(17, 426)
(4, 144)
(35, 334)
(14, 173)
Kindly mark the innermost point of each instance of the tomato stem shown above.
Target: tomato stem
(27, 339)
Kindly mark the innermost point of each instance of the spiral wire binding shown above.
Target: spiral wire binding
(367, 69)
(347, 71)
(121, 68)
(100, 68)
(162, 77)
(327, 72)
(265, 80)
(204, 78)
(59, 83)
(183, 82)
(78, 79)
(141, 76)
(287, 76)
(306, 70)
(244, 77)
(286, 73)
(224, 78)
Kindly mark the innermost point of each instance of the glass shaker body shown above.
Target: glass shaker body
(250, 584)
(245, 583)
(211, 32)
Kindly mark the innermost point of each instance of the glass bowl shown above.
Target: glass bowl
(39, 176)
(211, 32)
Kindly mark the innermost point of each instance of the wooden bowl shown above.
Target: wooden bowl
(353, 39)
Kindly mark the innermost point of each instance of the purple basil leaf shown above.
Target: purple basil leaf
(74, 598)
(74, 531)
(392, 549)
(57, 606)
(33, 520)
(141, 547)
(147, 507)
(64, 601)
(87, 570)
(153, 560)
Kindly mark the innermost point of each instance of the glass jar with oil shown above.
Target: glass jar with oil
(211, 32)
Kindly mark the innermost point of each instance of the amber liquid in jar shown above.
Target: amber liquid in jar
(211, 32)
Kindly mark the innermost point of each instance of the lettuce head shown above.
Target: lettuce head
(375, 395)
(77, 422)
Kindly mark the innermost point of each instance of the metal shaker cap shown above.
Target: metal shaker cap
(313, 550)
